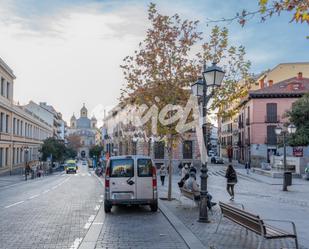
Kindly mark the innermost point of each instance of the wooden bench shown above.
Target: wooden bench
(255, 224)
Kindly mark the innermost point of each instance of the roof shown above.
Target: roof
(293, 87)
(83, 122)
(7, 68)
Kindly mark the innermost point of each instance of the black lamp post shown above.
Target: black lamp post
(26, 149)
(212, 78)
(290, 130)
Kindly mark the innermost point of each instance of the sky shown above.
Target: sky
(68, 52)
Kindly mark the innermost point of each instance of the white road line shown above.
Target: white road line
(97, 223)
(76, 243)
(97, 207)
(14, 204)
(32, 197)
(87, 225)
(90, 220)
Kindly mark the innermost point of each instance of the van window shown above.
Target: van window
(144, 167)
(122, 168)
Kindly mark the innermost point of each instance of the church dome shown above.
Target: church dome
(93, 118)
(73, 117)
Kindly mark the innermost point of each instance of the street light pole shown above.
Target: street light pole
(285, 187)
(212, 77)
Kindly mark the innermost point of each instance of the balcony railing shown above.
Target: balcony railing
(272, 119)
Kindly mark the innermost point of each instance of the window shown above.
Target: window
(271, 135)
(2, 86)
(187, 150)
(159, 150)
(6, 156)
(271, 110)
(8, 90)
(122, 168)
(2, 122)
(7, 124)
(134, 147)
(1, 157)
(144, 168)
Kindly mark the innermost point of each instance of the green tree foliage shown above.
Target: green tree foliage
(299, 116)
(54, 147)
(95, 151)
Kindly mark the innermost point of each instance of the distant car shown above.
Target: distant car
(71, 167)
(216, 160)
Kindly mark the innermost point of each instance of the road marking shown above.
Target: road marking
(14, 204)
(76, 243)
(90, 220)
(101, 196)
(32, 197)
(97, 207)
(46, 191)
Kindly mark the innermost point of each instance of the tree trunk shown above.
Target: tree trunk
(170, 168)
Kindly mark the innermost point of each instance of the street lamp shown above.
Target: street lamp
(212, 77)
(290, 130)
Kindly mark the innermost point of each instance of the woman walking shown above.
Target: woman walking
(231, 178)
(163, 173)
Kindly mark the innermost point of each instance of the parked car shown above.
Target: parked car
(217, 160)
(130, 180)
(71, 166)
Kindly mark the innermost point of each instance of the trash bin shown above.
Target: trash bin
(288, 178)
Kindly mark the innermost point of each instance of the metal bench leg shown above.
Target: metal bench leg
(218, 224)
(261, 242)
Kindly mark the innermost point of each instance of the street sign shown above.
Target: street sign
(298, 151)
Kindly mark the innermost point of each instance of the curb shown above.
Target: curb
(185, 233)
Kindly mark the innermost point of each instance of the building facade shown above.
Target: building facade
(21, 131)
(85, 129)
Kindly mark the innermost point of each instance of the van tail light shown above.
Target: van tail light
(154, 177)
(107, 173)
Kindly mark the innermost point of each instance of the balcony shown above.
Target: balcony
(272, 119)
(247, 121)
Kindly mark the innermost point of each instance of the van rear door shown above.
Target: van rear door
(122, 180)
(144, 180)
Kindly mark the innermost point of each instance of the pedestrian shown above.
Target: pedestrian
(183, 180)
(231, 178)
(163, 173)
(184, 171)
(180, 166)
(247, 167)
(192, 185)
(192, 168)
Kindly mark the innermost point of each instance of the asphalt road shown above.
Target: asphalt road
(58, 211)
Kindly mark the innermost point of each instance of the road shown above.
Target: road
(58, 211)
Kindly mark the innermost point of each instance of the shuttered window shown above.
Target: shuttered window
(271, 110)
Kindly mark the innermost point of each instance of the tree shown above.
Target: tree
(164, 66)
(74, 142)
(53, 147)
(95, 151)
(299, 116)
(161, 69)
(299, 10)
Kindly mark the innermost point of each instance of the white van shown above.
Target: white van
(130, 180)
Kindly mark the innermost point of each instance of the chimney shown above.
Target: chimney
(262, 83)
(270, 82)
(300, 76)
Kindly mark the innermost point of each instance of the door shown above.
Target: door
(144, 179)
(122, 179)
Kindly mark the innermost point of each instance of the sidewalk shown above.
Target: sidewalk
(258, 197)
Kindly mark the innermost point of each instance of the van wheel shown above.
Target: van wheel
(107, 208)
(154, 207)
